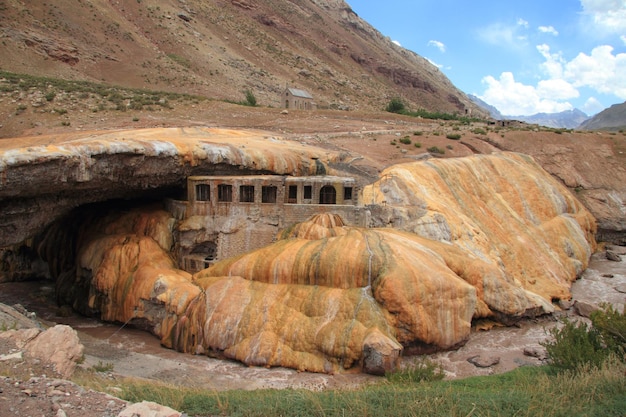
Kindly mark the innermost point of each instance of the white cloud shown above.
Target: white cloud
(602, 71)
(556, 89)
(439, 45)
(517, 99)
(607, 15)
(396, 43)
(623, 38)
(548, 29)
(554, 62)
(592, 106)
(522, 22)
(500, 34)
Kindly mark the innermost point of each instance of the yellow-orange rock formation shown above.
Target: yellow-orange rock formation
(490, 236)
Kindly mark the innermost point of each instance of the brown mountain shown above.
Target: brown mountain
(613, 118)
(222, 48)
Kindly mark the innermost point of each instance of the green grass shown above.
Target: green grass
(527, 391)
(137, 98)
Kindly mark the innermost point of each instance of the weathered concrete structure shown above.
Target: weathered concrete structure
(225, 216)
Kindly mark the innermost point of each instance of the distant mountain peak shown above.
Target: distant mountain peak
(613, 118)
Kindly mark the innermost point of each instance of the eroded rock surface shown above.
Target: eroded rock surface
(489, 236)
(41, 183)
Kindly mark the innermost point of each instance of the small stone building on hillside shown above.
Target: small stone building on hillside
(294, 98)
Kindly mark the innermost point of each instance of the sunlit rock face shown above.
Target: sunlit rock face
(491, 236)
(503, 209)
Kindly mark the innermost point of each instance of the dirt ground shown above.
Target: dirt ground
(119, 351)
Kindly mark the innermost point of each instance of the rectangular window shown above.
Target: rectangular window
(225, 193)
(203, 192)
(293, 194)
(268, 194)
(308, 192)
(347, 193)
(246, 193)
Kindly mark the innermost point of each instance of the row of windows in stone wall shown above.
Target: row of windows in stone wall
(328, 194)
(246, 193)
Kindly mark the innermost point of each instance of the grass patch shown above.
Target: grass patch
(527, 391)
(121, 98)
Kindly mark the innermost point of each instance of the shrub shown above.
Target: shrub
(575, 345)
(396, 105)
(479, 131)
(424, 370)
(406, 140)
(418, 133)
(417, 144)
(453, 136)
(103, 367)
(250, 99)
(50, 95)
(434, 149)
(612, 327)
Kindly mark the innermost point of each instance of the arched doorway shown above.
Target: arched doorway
(328, 195)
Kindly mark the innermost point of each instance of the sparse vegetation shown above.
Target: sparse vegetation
(526, 391)
(103, 367)
(123, 99)
(453, 136)
(576, 344)
(423, 370)
(396, 105)
(436, 150)
(405, 140)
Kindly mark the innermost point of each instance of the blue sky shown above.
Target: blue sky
(522, 56)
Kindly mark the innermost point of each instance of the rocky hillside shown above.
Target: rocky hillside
(220, 49)
(613, 118)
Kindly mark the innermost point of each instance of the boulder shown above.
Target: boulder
(60, 346)
(482, 361)
(148, 409)
(380, 353)
(584, 309)
(612, 256)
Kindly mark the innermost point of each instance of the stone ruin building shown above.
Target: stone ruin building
(225, 216)
(294, 98)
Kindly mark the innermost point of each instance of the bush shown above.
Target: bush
(453, 136)
(406, 140)
(577, 345)
(396, 105)
(424, 370)
(434, 149)
(250, 99)
(612, 327)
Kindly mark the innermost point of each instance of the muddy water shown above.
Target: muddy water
(135, 353)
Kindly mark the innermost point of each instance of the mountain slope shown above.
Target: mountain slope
(493, 111)
(613, 118)
(221, 48)
(569, 119)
